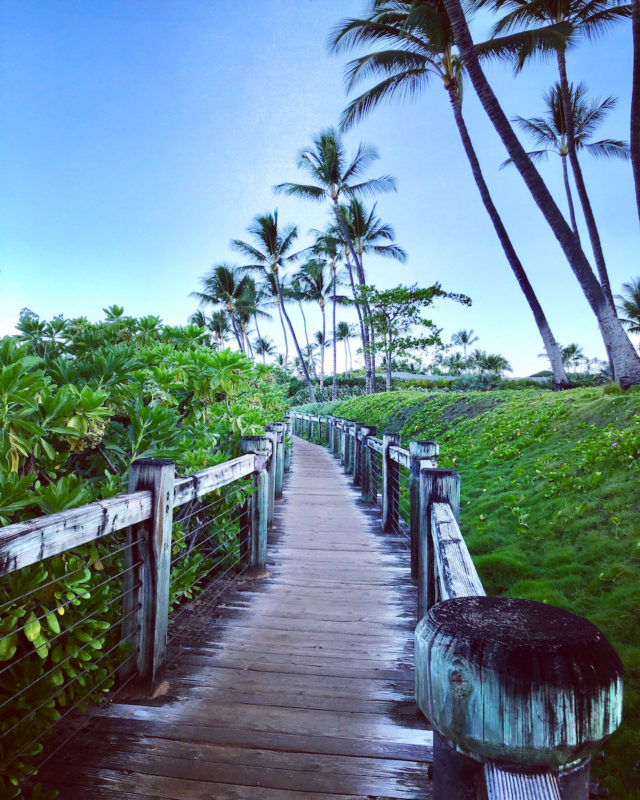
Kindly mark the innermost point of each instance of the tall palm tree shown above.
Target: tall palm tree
(219, 326)
(629, 305)
(464, 339)
(225, 285)
(625, 359)
(335, 176)
(422, 48)
(271, 298)
(344, 333)
(270, 254)
(298, 293)
(264, 347)
(370, 236)
(328, 246)
(549, 132)
(318, 286)
(550, 26)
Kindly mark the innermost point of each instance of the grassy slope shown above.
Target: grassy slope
(550, 509)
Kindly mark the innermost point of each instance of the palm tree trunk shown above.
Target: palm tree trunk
(334, 386)
(635, 101)
(255, 319)
(567, 188)
(560, 379)
(388, 354)
(322, 348)
(236, 331)
(350, 358)
(625, 358)
(304, 325)
(363, 327)
(248, 342)
(312, 395)
(284, 330)
(592, 228)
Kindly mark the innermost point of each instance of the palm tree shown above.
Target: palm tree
(271, 254)
(219, 326)
(549, 132)
(271, 298)
(629, 305)
(624, 357)
(344, 332)
(335, 176)
(225, 285)
(370, 235)
(297, 292)
(464, 339)
(264, 347)
(550, 27)
(422, 43)
(635, 101)
(328, 246)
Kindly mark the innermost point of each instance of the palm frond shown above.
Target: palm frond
(609, 148)
(303, 191)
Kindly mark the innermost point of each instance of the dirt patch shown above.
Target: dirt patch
(397, 422)
(468, 409)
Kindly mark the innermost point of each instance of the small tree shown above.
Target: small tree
(396, 312)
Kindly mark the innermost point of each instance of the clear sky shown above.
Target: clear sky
(137, 137)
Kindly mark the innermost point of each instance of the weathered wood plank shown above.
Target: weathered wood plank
(212, 478)
(400, 456)
(25, 543)
(454, 566)
(374, 444)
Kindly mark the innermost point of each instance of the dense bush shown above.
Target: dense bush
(78, 402)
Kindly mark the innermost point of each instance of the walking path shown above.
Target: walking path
(299, 687)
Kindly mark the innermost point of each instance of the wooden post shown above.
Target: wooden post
(418, 451)
(255, 551)
(273, 458)
(390, 483)
(327, 430)
(365, 472)
(320, 436)
(357, 454)
(288, 431)
(436, 486)
(151, 547)
(348, 466)
(278, 427)
(516, 686)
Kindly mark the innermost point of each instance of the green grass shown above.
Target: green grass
(550, 510)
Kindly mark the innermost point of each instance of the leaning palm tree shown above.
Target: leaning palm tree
(422, 49)
(629, 305)
(537, 27)
(624, 357)
(295, 291)
(464, 339)
(271, 299)
(549, 132)
(270, 255)
(335, 176)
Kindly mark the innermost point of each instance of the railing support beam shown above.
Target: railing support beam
(151, 548)
(426, 452)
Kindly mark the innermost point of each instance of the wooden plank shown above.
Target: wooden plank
(374, 444)
(400, 456)
(454, 566)
(26, 543)
(212, 478)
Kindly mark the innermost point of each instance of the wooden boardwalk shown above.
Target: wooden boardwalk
(300, 686)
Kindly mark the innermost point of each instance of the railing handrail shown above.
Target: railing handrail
(25, 543)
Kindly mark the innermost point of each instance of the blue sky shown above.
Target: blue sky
(137, 137)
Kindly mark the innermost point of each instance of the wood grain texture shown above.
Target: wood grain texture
(455, 571)
(212, 478)
(299, 688)
(25, 543)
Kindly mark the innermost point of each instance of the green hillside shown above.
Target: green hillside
(550, 509)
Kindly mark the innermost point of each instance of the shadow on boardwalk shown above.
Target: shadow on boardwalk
(298, 685)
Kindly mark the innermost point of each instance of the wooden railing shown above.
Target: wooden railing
(520, 694)
(139, 561)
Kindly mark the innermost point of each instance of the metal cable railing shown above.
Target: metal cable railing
(50, 635)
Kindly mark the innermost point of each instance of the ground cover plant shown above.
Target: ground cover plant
(550, 509)
(78, 403)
